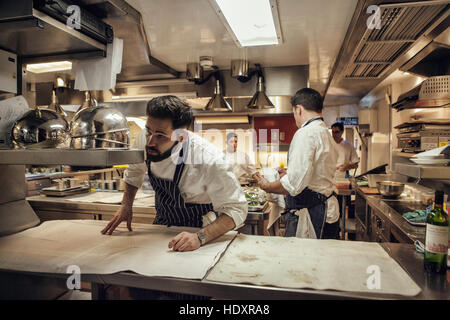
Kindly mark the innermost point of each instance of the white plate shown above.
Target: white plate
(430, 161)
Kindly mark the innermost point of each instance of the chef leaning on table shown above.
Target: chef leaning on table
(194, 185)
(309, 180)
(241, 162)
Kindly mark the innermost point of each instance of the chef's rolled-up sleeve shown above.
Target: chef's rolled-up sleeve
(225, 192)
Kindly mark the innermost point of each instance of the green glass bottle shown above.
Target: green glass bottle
(436, 237)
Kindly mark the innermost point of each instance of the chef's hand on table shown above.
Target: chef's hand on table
(123, 214)
(185, 241)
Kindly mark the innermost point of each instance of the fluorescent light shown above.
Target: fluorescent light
(49, 66)
(252, 22)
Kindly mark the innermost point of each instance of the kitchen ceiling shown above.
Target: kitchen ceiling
(180, 31)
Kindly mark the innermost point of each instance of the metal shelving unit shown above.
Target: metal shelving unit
(16, 213)
(424, 172)
(100, 158)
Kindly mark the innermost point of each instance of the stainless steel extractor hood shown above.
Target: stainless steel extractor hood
(138, 63)
(259, 99)
(36, 36)
(217, 102)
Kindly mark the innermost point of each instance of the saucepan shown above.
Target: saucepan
(390, 189)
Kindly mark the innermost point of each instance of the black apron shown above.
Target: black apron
(315, 203)
(171, 210)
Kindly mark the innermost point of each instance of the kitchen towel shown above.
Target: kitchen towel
(100, 73)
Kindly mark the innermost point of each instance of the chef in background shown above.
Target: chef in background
(347, 157)
(240, 160)
(308, 182)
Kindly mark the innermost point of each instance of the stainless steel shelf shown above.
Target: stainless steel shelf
(99, 158)
(424, 172)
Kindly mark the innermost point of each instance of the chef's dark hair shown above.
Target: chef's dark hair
(339, 125)
(310, 99)
(171, 107)
(231, 135)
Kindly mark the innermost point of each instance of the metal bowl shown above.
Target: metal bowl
(40, 128)
(102, 127)
(390, 189)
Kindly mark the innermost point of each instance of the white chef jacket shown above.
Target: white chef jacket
(207, 177)
(346, 153)
(312, 164)
(241, 163)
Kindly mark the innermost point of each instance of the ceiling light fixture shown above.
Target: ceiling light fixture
(250, 22)
(49, 66)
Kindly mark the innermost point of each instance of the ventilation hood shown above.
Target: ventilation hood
(35, 36)
(369, 55)
(137, 62)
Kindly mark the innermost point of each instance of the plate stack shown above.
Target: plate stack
(432, 157)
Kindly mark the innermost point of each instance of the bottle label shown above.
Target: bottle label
(436, 239)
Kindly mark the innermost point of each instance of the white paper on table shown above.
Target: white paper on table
(10, 111)
(55, 245)
(100, 73)
(312, 263)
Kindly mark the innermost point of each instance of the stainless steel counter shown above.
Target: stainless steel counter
(433, 287)
(52, 208)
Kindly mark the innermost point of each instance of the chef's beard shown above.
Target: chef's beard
(160, 156)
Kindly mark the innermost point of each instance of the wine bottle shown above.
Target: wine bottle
(436, 237)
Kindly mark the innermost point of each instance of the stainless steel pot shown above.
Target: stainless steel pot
(40, 128)
(102, 127)
(390, 189)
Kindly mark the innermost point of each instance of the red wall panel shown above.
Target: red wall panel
(285, 124)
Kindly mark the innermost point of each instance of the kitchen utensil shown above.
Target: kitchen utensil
(102, 127)
(390, 189)
(40, 128)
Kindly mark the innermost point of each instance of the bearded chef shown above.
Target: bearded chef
(194, 185)
(308, 182)
(241, 162)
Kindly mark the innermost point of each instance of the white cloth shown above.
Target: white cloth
(100, 73)
(305, 228)
(207, 177)
(276, 201)
(346, 153)
(241, 163)
(312, 164)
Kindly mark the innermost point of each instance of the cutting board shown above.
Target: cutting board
(368, 190)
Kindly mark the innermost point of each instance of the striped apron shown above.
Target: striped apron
(171, 210)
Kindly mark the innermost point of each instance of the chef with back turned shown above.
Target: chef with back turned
(308, 182)
(194, 185)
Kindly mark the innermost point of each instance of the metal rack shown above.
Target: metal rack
(15, 212)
